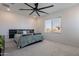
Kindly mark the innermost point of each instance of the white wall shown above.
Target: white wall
(10, 20)
(70, 27)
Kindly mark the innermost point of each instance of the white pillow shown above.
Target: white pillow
(24, 32)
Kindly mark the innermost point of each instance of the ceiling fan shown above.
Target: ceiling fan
(36, 9)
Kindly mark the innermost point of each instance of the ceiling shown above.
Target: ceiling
(14, 7)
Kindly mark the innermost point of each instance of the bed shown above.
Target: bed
(23, 40)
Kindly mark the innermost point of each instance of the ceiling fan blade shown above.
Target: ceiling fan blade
(28, 5)
(36, 5)
(45, 7)
(31, 12)
(37, 13)
(25, 9)
(43, 12)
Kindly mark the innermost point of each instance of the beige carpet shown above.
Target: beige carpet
(44, 48)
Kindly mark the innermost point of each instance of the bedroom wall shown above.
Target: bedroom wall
(70, 27)
(10, 20)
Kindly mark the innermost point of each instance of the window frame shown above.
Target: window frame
(53, 26)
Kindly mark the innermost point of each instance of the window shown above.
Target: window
(48, 26)
(53, 25)
(56, 25)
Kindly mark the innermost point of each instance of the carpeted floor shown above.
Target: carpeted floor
(44, 48)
